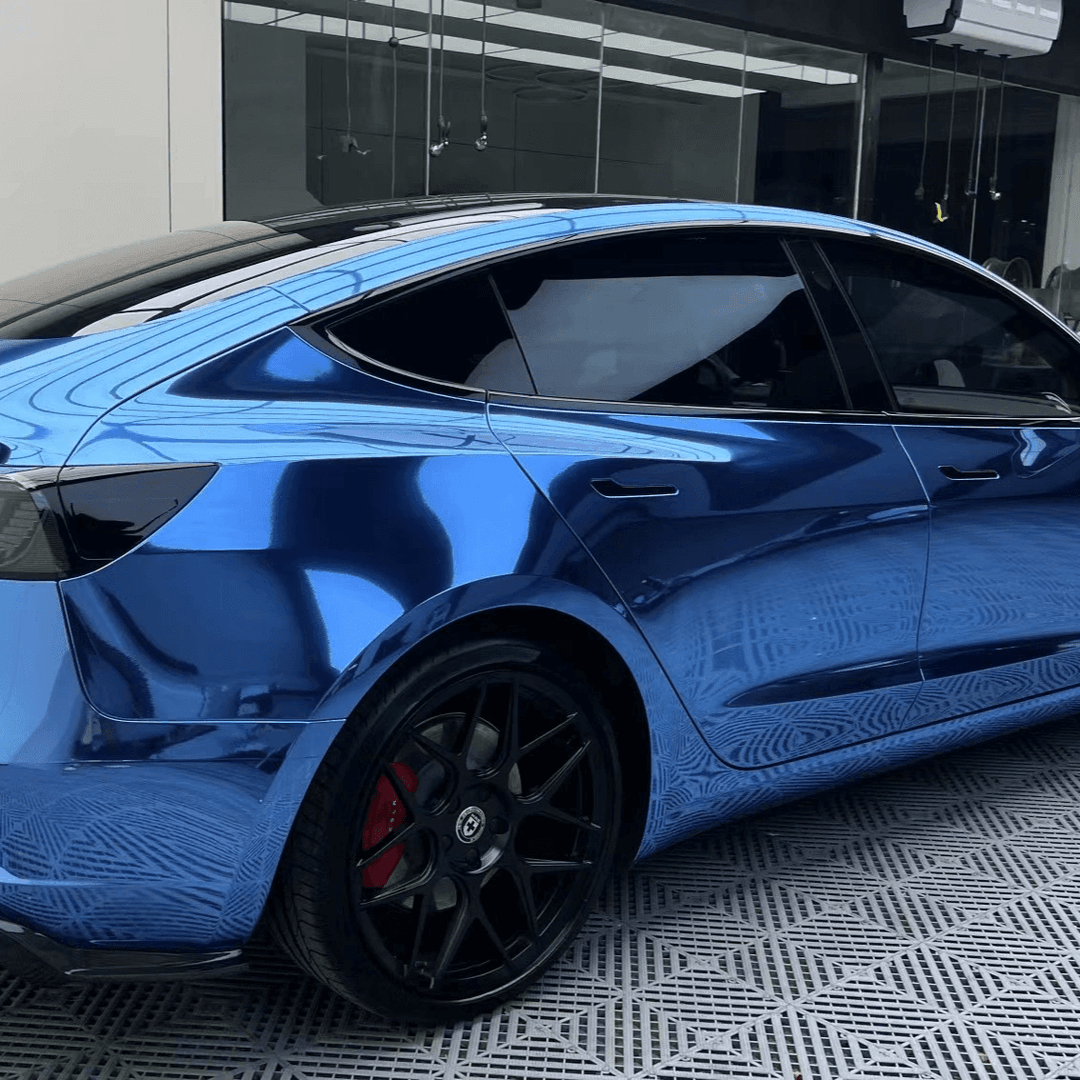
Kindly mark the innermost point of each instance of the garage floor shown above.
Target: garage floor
(925, 924)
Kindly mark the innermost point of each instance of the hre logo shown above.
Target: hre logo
(470, 824)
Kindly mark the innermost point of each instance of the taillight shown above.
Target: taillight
(60, 522)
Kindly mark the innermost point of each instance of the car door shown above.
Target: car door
(987, 395)
(690, 424)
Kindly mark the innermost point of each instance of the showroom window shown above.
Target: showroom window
(578, 96)
(675, 319)
(949, 344)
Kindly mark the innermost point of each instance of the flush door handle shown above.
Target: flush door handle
(612, 489)
(952, 473)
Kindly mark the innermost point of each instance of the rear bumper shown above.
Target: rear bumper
(133, 835)
(21, 947)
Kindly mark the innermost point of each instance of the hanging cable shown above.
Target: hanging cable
(995, 193)
(599, 96)
(443, 141)
(943, 206)
(742, 116)
(920, 191)
(349, 141)
(481, 143)
(393, 43)
(971, 189)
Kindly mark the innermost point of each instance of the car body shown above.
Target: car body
(847, 539)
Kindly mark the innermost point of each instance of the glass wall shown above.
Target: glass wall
(323, 110)
(807, 140)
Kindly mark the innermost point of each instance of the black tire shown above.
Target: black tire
(455, 836)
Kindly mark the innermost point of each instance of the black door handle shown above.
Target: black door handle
(972, 474)
(612, 489)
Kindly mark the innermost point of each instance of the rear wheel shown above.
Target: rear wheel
(455, 836)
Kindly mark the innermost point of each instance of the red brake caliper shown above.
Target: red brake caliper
(384, 816)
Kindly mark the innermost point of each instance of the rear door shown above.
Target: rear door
(987, 393)
(690, 424)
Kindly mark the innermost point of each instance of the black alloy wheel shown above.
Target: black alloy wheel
(456, 835)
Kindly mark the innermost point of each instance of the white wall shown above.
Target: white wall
(110, 124)
(1063, 220)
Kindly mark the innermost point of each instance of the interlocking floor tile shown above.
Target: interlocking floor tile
(875, 1009)
(780, 969)
(923, 925)
(848, 940)
(962, 1050)
(916, 915)
(708, 1001)
(949, 984)
(961, 889)
(624, 958)
(706, 930)
(629, 1035)
(768, 905)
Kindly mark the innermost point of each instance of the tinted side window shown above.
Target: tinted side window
(951, 343)
(452, 330)
(682, 319)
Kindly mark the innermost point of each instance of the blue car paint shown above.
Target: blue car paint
(1001, 621)
(751, 582)
(149, 807)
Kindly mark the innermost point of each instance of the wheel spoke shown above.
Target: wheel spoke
(468, 731)
(442, 754)
(555, 781)
(510, 737)
(543, 808)
(492, 933)
(521, 878)
(390, 840)
(552, 866)
(463, 919)
(422, 913)
(388, 894)
(562, 725)
(408, 800)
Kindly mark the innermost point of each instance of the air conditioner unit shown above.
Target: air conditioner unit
(998, 27)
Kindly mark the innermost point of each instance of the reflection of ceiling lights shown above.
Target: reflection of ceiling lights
(318, 24)
(774, 67)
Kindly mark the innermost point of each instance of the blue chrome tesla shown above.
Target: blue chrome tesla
(392, 573)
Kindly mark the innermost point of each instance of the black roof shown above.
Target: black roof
(63, 299)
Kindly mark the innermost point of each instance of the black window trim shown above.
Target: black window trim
(886, 386)
(316, 329)
(954, 262)
(823, 326)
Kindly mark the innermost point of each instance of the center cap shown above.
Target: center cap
(470, 824)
